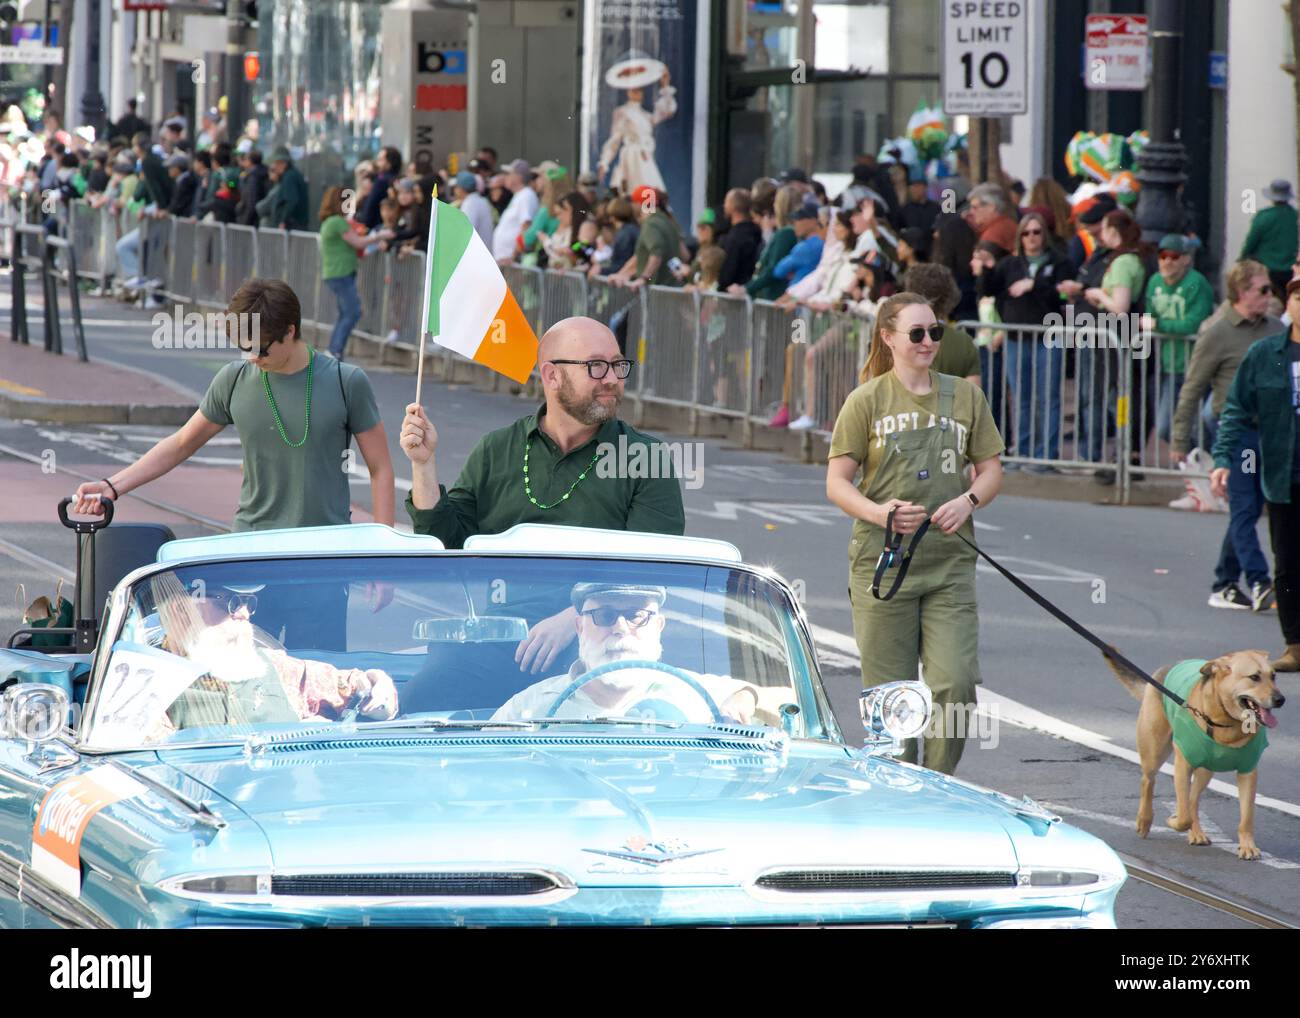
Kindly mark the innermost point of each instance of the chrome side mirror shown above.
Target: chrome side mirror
(894, 712)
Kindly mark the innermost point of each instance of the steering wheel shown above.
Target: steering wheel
(656, 666)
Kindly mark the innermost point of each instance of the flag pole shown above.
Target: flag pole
(428, 286)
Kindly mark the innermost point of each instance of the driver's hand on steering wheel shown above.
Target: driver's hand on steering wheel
(741, 706)
(376, 696)
(539, 649)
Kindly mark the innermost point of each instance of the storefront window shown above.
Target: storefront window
(318, 90)
(849, 118)
(852, 35)
(772, 35)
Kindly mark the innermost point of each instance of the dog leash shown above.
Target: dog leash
(893, 544)
(893, 550)
(1106, 649)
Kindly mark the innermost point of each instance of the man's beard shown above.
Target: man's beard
(228, 652)
(617, 647)
(586, 411)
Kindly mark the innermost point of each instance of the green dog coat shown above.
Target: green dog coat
(1199, 749)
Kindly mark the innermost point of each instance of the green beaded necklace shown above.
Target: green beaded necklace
(528, 490)
(275, 410)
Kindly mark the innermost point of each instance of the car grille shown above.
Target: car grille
(816, 881)
(479, 885)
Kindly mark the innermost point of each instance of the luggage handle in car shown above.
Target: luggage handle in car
(86, 526)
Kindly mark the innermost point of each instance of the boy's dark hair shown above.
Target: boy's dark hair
(68, 161)
(203, 157)
(221, 153)
(274, 303)
(255, 156)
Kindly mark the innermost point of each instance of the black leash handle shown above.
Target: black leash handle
(1106, 649)
(892, 551)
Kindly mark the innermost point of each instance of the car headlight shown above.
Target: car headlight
(897, 710)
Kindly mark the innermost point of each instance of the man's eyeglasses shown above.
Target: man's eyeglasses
(917, 333)
(1169, 256)
(606, 617)
(599, 369)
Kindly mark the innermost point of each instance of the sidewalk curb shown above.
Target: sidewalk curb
(53, 411)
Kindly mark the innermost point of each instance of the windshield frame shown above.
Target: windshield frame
(820, 725)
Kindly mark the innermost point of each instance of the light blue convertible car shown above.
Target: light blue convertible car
(351, 726)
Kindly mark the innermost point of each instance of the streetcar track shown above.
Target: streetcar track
(1182, 889)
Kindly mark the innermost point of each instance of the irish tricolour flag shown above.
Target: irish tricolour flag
(467, 305)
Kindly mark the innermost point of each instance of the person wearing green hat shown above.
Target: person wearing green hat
(1178, 300)
(706, 234)
(552, 183)
(1273, 234)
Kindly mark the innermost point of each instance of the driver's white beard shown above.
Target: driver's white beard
(619, 647)
(226, 655)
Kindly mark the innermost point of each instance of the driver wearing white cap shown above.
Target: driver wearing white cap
(624, 622)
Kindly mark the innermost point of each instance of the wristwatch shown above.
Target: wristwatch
(973, 498)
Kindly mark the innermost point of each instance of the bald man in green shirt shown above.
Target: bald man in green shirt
(573, 462)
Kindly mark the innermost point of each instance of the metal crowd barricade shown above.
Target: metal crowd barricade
(156, 241)
(835, 351)
(272, 253)
(725, 354)
(302, 271)
(69, 275)
(774, 349)
(24, 260)
(564, 295)
(1157, 384)
(240, 258)
(667, 346)
(373, 294)
(180, 280)
(85, 232)
(406, 301)
(209, 265)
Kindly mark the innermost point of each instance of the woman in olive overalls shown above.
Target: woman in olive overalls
(910, 434)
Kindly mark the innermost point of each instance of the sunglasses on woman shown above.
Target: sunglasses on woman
(1031, 233)
(917, 333)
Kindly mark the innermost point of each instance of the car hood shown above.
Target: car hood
(601, 811)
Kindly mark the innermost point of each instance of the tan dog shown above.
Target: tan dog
(1236, 691)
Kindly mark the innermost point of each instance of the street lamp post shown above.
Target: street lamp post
(92, 99)
(1159, 209)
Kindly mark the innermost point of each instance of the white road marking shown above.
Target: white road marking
(1005, 709)
(822, 514)
(30, 558)
(1218, 839)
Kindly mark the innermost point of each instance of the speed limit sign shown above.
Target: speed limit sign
(985, 57)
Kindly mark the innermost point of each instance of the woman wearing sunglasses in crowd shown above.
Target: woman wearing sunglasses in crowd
(899, 455)
(1024, 287)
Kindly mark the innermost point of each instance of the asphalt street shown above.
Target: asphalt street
(1058, 726)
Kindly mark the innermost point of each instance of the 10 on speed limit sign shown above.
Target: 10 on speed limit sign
(985, 57)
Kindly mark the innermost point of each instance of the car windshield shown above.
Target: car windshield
(232, 650)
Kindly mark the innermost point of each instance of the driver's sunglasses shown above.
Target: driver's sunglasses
(917, 333)
(606, 617)
(599, 369)
(232, 602)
